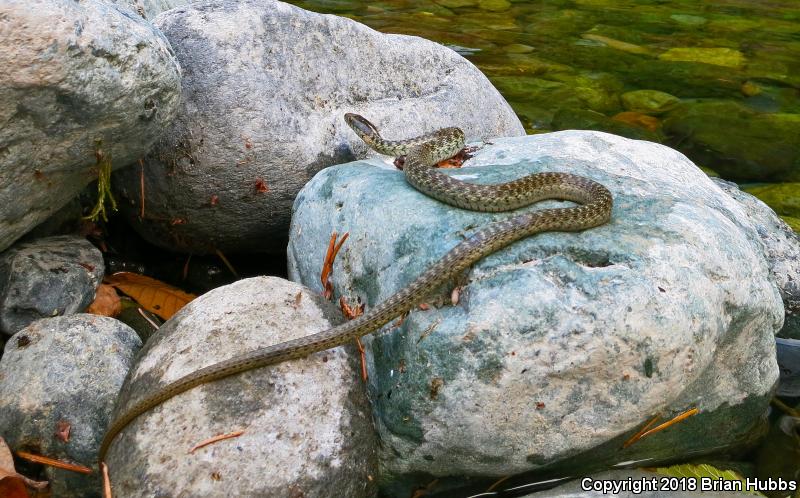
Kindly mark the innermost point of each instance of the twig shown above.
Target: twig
(214, 439)
(141, 188)
(106, 481)
(31, 457)
(661, 427)
(363, 359)
(785, 408)
(227, 263)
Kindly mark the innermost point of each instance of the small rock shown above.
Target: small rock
(306, 422)
(688, 20)
(672, 305)
(77, 77)
(716, 56)
(47, 277)
(266, 86)
(649, 101)
(494, 5)
(649, 123)
(60, 373)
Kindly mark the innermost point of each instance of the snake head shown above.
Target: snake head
(361, 126)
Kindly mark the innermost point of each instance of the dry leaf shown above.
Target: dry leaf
(12, 485)
(106, 302)
(154, 296)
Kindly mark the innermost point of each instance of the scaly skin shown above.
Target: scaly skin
(422, 153)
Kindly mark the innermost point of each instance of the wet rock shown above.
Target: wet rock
(307, 427)
(781, 247)
(563, 345)
(726, 57)
(649, 101)
(494, 5)
(78, 77)
(580, 119)
(47, 277)
(62, 375)
(742, 144)
(266, 86)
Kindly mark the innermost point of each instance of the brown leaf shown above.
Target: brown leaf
(154, 296)
(13, 485)
(106, 302)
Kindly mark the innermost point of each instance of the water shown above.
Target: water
(717, 79)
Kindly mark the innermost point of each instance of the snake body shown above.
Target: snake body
(422, 153)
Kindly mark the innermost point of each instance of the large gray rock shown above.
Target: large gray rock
(74, 73)
(782, 248)
(149, 9)
(47, 277)
(307, 425)
(265, 88)
(58, 373)
(564, 344)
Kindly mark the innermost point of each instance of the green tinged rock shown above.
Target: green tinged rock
(649, 101)
(742, 144)
(494, 5)
(726, 57)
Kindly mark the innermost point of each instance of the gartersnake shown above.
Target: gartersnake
(422, 153)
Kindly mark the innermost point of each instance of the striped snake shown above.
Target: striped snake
(422, 153)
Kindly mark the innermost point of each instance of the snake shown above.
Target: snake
(593, 208)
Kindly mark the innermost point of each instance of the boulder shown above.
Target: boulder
(307, 427)
(563, 345)
(77, 77)
(741, 143)
(149, 9)
(781, 246)
(59, 378)
(265, 88)
(47, 277)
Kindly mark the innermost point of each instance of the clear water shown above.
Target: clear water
(722, 76)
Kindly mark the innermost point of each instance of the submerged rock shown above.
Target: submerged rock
(47, 277)
(307, 427)
(742, 144)
(59, 378)
(266, 86)
(77, 77)
(649, 101)
(563, 345)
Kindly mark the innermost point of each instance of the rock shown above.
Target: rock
(494, 5)
(742, 144)
(788, 353)
(688, 20)
(58, 373)
(716, 56)
(266, 86)
(307, 425)
(639, 120)
(581, 119)
(563, 345)
(781, 247)
(149, 9)
(47, 277)
(649, 101)
(77, 76)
